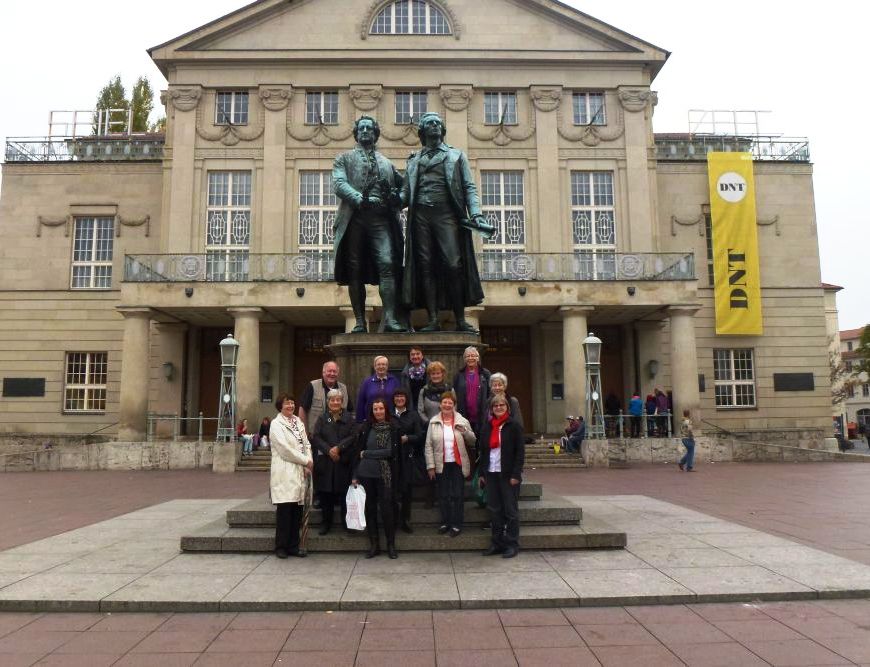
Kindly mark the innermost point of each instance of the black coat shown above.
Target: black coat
(331, 476)
(410, 424)
(482, 396)
(369, 467)
(513, 449)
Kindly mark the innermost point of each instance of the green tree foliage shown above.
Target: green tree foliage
(112, 96)
(142, 103)
(862, 361)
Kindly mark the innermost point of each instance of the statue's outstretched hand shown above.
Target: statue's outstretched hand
(485, 227)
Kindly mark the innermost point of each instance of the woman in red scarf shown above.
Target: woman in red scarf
(500, 470)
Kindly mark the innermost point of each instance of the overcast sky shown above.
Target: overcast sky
(805, 64)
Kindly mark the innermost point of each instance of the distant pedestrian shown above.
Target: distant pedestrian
(577, 435)
(246, 438)
(688, 436)
(662, 412)
(635, 410)
(263, 439)
(650, 406)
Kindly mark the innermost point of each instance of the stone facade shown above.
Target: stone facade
(657, 328)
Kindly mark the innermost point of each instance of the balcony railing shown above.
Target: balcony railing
(696, 147)
(318, 267)
(85, 149)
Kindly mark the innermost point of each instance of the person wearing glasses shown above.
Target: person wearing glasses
(500, 471)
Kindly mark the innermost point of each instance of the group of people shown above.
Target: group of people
(259, 440)
(416, 430)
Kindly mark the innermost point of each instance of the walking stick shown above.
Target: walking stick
(306, 517)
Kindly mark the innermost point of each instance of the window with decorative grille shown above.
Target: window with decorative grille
(500, 108)
(317, 207)
(231, 108)
(594, 225)
(228, 225)
(734, 378)
(503, 204)
(93, 243)
(321, 108)
(410, 105)
(85, 382)
(589, 109)
(410, 17)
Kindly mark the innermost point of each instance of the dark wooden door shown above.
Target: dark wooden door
(611, 363)
(210, 377)
(310, 353)
(509, 351)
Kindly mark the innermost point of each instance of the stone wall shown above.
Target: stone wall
(50, 452)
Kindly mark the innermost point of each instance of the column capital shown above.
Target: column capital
(135, 311)
(575, 310)
(246, 311)
(275, 97)
(688, 309)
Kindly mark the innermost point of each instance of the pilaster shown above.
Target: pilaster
(574, 331)
(133, 407)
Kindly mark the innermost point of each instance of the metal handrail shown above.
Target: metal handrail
(152, 419)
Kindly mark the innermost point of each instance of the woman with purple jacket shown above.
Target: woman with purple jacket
(379, 384)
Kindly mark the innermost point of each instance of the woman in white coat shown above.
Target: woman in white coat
(291, 465)
(448, 441)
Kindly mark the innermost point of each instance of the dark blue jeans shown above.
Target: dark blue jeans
(688, 459)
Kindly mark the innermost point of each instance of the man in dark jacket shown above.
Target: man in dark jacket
(443, 206)
(500, 471)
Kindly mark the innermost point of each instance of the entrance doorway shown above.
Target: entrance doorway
(611, 364)
(509, 352)
(309, 355)
(210, 377)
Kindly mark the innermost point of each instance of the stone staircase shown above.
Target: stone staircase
(546, 523)
(540, 454)
(258, 461)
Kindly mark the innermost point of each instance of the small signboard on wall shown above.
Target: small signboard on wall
(266, 394)
(23, 387)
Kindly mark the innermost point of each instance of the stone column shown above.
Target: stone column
(629, 379)
(247, 333)
(170, 399)
(546, 100)
(456, 98)
(574, 330)
(637, 104)
(649, 348)
(275, 99)
(684, 362)
(134, 374)
(181, 104)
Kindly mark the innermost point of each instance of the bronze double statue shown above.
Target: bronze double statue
(436, 268)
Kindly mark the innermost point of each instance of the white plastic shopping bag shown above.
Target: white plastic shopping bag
(356, 507)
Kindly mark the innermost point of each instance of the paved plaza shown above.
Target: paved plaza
(754, 562)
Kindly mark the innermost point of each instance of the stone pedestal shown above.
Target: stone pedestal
(355, 352)
(226, 455)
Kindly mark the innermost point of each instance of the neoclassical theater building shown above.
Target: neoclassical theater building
(125, 259)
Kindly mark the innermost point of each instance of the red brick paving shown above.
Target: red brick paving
(820, 505)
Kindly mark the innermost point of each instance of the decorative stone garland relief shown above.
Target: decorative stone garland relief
(591, 135)
(230, 135)
(123, 222)
(322, 134)
(501, 134)
(53, 222)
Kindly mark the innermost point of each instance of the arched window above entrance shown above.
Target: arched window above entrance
(411, 17)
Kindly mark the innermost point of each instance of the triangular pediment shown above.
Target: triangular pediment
(490, 29)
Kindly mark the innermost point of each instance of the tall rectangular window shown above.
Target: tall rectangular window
(708, 233)
(228, 225)
(503, 204)
(317, 206)
(93, 242)
(85, 382)
(865, 389)
(734, 378)
(231, 108)
(410, 106)
(321, 107)
(589, 109)
(594, 225)
(500, 108)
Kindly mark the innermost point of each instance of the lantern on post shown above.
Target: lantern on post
(226, 431)
(594, 405)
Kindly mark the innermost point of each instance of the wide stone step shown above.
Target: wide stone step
(218, 537)
(552, 511)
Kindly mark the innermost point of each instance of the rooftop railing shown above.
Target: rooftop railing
(239, 266)
(696, 147)
(85, 149)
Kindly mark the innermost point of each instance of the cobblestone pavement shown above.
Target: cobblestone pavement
(784, 633)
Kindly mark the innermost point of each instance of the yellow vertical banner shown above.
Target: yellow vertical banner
(737, 277)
